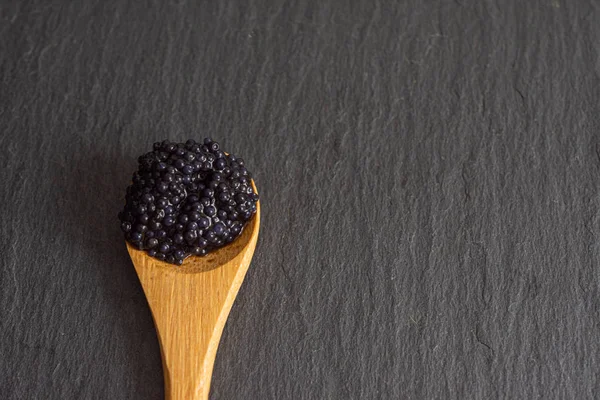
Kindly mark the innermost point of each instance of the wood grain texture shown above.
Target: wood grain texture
(429, 176)
(190, 305)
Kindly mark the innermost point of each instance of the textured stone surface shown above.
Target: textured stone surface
(428, 175)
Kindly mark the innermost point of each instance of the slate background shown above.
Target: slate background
(429, 181)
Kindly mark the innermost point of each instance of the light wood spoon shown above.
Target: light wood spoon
(190, 304)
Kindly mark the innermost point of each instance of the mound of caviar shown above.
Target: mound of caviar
(187, 198)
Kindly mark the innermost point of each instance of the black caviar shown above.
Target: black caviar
(187, 198)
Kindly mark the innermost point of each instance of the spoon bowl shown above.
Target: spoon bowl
(190, 305)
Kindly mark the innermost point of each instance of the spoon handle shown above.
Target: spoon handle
(189, 320)
(189, 312)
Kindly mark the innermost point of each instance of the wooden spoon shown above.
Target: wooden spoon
(190, 304)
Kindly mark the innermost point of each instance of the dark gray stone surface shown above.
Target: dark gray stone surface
(429, 180)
